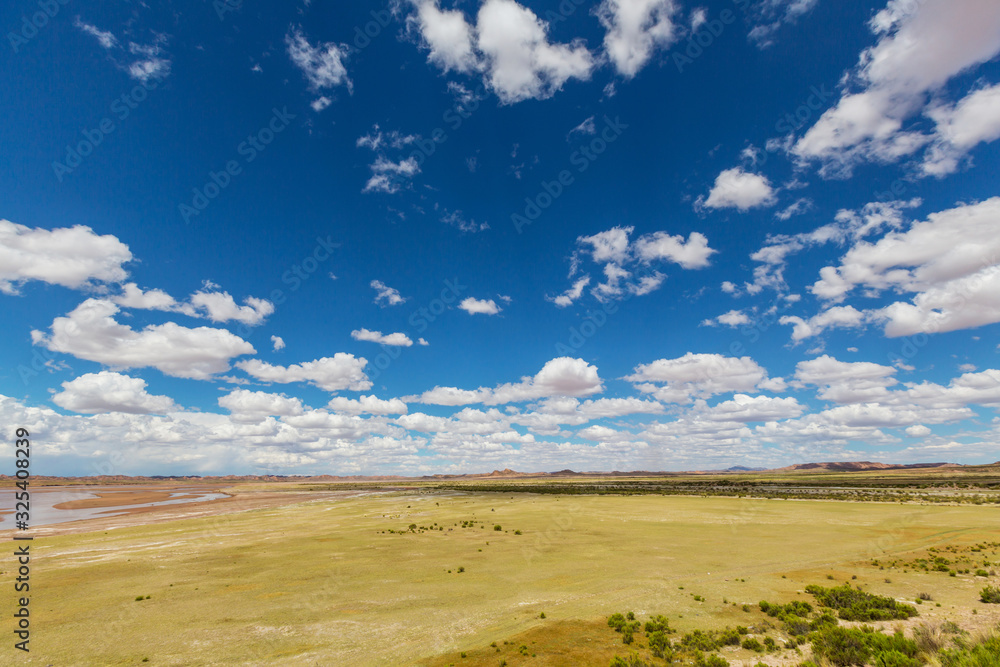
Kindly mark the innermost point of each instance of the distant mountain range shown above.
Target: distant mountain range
(830, 466)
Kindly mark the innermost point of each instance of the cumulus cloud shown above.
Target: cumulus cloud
(733, 318)
(389, 176)
(921, 47)
(615, 251)
(386, 295)
(692, 376)
(367, 404)
(106, 391)
(845, 317)
(278, 343)
(736, 188)
(337, 373)
(562, 376)
(73, 257)
(446, 35)
(255, 406)
(90, 332)
(206, 303)
(474, 306)
(635, 30)
(846, 382)
(951, 261)
(973, 120)
(509, 45)
(394, 339)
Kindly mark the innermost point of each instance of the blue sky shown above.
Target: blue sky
(450, 237)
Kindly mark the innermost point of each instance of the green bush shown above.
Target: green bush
(990, 594)
(986, 654)
(659, 644)
(860, 646)
(658, 623)
(711, 661)
(855, 605)
(699, 641)
(753, 645)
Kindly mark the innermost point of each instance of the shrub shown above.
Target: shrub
(497, 527)
(632, 661)
(616, 621)
(753, 645)
(658, 623)
(990, 594)
(711, 661)
(855, 605)
(658, 643)
(699, 641)
(986, 654)
(860, 646)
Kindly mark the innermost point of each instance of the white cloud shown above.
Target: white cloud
(520, 61)
(212, 305)
(848, 225)
(337, 373)
(320, 103)
(73, 257)
(700, 376)
(921, 46)
(388, 176)
(608, 246)
(951, 262)
(103, 37)
(846, 382)
(322, 64)
(151, 63)
(90, 332)
(367, 404)
(736, 188)
(509, 45)
(587, 127)
(475, 306)
(973, 120)
(111, 392)
(255, 406)
(572, 294)
(635, 30)
(743, 408)
(447, 36)
(220, 307)
(798, 207)
(279, 344)
(387, 294)
(613, 249)
(918, 431)
(692, 254)
(562, 376)
(733, 318)
(770, 15)
(845, 317)
(394, 339)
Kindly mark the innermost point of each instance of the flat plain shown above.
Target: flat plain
(420, 575)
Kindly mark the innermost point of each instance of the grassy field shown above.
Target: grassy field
(345, 581)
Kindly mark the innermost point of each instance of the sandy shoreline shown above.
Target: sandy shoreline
(136, 516)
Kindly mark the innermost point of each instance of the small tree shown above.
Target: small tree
(990, 594)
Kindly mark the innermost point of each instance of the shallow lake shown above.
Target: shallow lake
(44, 513)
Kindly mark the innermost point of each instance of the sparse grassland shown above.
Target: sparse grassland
(422, 576)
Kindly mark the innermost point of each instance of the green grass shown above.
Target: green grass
(324, 582)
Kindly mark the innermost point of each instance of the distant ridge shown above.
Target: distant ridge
(861, 465)
(506, 473)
